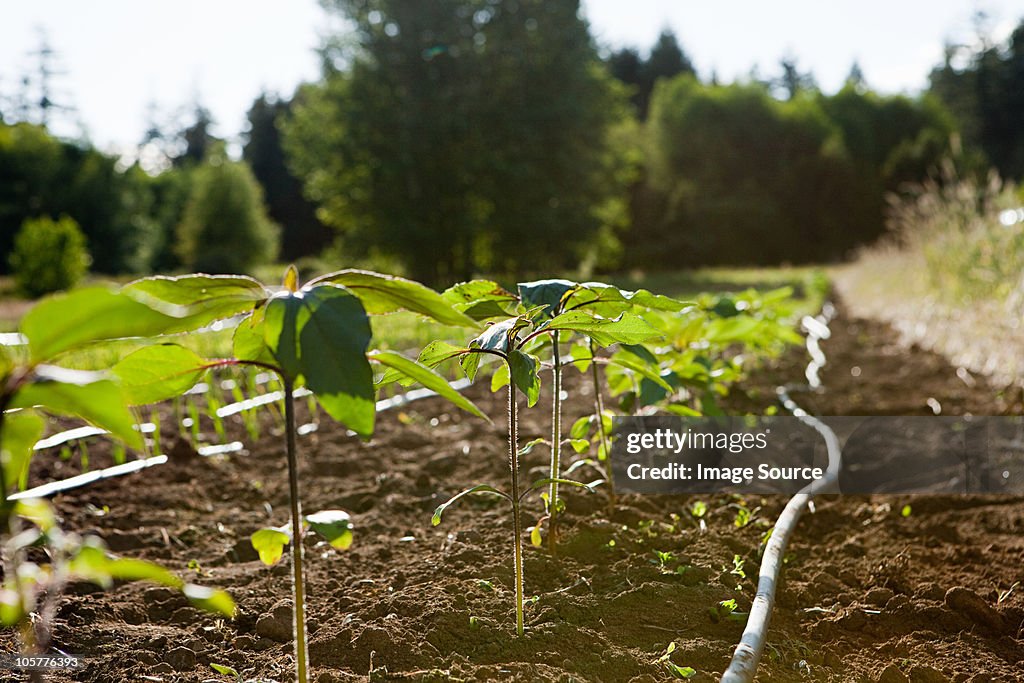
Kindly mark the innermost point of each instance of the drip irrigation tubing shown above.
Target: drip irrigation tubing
(80, 480)
(748, 652)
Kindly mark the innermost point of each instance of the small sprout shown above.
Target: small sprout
(484, 583)
(680, 672)
(699, 509)
(1005, 595)
(194, 565)
(905, 511)
(225, 670)
(726, 609)
(744, 516)
(662, 558)
(737, 567)
(474, 623)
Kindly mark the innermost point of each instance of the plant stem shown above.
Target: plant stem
(513, 461)
(298, 578)
(556, 444)
(599, 407)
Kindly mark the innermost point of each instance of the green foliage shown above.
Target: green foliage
(736, 176)
(461, 131)
(225, 228)
(48, 256)
(41, 175)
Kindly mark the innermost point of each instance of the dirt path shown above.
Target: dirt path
(866, 594)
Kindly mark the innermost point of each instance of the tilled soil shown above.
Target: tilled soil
(868, 594)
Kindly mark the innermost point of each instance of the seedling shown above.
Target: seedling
(726, 609)
(317, 335)
(680, 672)
(29, 387)
(510, 341)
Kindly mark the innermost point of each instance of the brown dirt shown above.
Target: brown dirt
(867, 594)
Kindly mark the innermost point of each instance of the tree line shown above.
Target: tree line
(465, 136)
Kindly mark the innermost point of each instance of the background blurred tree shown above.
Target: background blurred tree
(736, 176)
(196, 140)
(302, 234)
(49, 255)
(43, 176)
(983, 85)
(462, 135)
(225, 228)
(666, 59)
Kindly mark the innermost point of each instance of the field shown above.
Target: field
(640, 588)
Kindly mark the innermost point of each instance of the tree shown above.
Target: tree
(302, 234)
(49, 256)
(196, 139)
(665, 60)
(791, 82)
(984, 88)
(463, 135)
(41, 175)
(225, 228)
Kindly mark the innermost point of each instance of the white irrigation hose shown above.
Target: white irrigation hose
(748, 652)
(217, 449)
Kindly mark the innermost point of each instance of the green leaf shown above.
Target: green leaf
(547, 481)
(210, 599)
(580, 445)
(500, 377)
(197, 300)
(523, 370)
(581, 427)
(499, 336)
(87, 395)
(546, 293)
(248, 341)
(224, 670)
(624, 329)
(37, 511)
(631, 363)
(428, 378)
(386, 293)
(155, 373)
(321, 334)
(21, 430)
(535, 538)
(334, 525)
(269, 543)
(131, 569)
(608, 300)
(581, 356)
(11, 609)
(481, 299)
(529, 446)
(480, 488)
(70, 320)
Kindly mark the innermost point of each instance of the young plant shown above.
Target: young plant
(567, 300)
(31, 386)
(512, 341)
(316, 335)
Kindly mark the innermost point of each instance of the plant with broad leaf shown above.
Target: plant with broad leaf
(316, 336)
(519, 332)
(582, 302)
(32, 386)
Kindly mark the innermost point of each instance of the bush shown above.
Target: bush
(48, 255)
(225, 228)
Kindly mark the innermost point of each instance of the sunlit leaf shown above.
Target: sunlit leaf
(225, 670)
(428, 378)
(37, 511)
(158, 372)
(626, 328)
(21, 430)
(387, 293)
(87, 395)
(334, 525)
(321, 334)
(481, 299)
(500, 378)
(210, 599)
(197, 300)
(269, 543)
(70, 320)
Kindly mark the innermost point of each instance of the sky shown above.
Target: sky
(125, 63)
